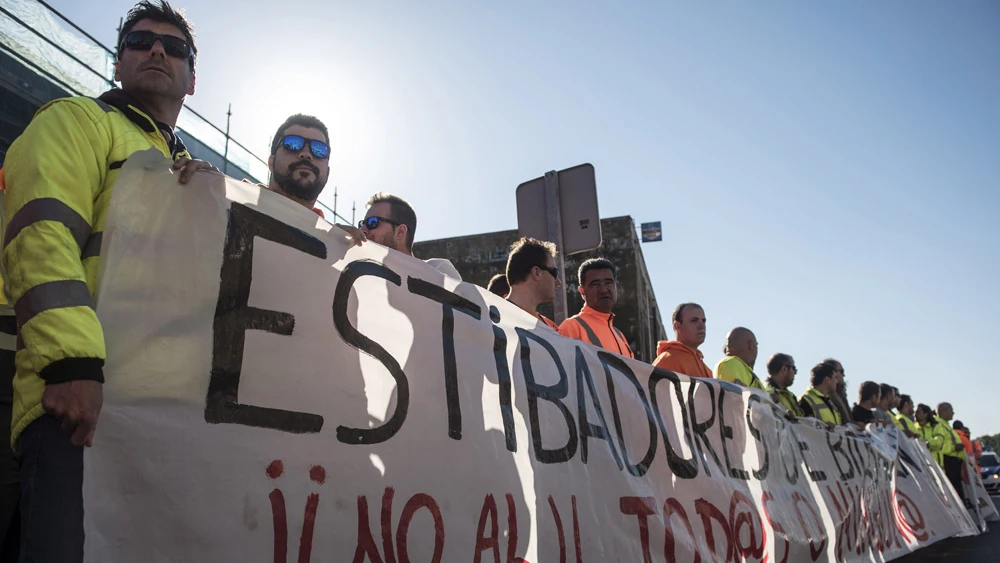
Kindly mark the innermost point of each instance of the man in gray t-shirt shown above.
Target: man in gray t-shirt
(887, 400)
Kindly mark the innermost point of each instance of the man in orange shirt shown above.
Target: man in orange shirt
(682, 354)
(532, 275)
(970, 450)
(595, 322)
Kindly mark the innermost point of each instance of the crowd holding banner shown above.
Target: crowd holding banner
(297, 400)
(272, 385)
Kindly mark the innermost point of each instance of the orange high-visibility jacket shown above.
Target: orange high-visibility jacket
(591, 325)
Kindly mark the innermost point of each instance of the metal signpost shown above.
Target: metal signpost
(561, 207)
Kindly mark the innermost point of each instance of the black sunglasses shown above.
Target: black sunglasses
(294, 143)
(553, 271)
(372, 223)
(144, 40)
(792, 367)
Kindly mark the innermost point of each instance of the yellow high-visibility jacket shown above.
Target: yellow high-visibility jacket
(57, 186)
(954, 446)
(941, 440)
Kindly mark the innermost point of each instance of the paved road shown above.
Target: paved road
(984, 547)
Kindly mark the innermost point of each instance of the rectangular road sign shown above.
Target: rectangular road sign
(651, 232)
(580, 219)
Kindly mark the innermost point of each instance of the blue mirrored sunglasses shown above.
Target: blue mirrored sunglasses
(372, 223)
(294, 143)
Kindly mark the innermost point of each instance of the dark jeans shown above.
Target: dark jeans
(51, 494)
(953, 470)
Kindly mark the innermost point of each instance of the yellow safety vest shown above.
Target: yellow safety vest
(786, 399)
(821, 406)
(954, 446)
(905, 423)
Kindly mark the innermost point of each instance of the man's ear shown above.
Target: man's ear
(194, 77)
(117, 77)
(401, 233)
(580, 289)
(270, 164)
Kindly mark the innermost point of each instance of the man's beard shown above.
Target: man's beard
(301, 189)
(386, 239)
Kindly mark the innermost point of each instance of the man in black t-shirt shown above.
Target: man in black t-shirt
(868, 397)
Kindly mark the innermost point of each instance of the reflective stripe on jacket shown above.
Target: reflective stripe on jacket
(58, 180)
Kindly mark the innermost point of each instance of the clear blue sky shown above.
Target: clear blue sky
(827, 173)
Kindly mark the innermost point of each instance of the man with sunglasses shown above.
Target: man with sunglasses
(58, 181)
(781, 369)
(391, 222)
(533, 276)
(300, 160)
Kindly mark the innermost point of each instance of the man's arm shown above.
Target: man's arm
(935, 443)
(53, 175)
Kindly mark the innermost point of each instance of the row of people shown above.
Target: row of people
(825, 399)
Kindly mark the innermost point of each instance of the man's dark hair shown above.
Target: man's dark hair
(924, 408)
(298, 119)
(525, 254)
(903, 399)
(679, 311)
(596, 264)
(821, 372)
(777, 362)
(885, 389)
(162, 12)
(498, 285)
(832, 363)
(957, 425)
(401, 211)
(868, 390)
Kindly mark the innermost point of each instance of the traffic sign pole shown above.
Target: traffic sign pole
(555, 234)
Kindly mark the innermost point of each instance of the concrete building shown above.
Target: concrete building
(479, 257)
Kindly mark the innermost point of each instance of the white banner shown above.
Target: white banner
(276, 394)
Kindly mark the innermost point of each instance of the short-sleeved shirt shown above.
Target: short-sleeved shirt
(861, 415)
